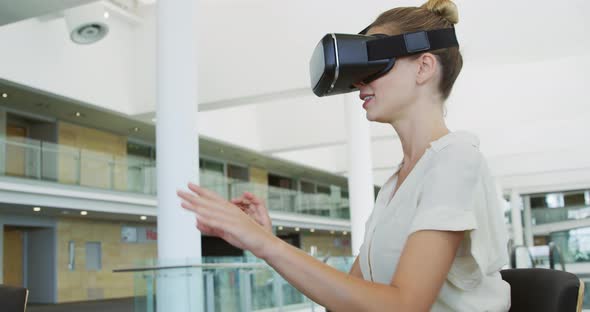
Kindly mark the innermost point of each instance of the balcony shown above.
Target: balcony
(65, 165)
(552, 215)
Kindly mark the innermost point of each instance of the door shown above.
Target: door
(13, 257)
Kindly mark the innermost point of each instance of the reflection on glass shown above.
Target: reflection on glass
(554, 200)
(573, 244)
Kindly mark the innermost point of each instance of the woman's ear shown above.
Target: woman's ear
(428, 66)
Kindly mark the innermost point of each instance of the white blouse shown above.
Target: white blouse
(449, 189)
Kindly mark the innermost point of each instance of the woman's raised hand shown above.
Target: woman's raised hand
(219, 217)
(255, 208)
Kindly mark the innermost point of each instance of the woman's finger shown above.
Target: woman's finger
(236, 201)
(253, 199)
(204, 192)
(188, 206)
(196, 200)
(189, 197)
(200, 210)
(241, 201)
(184, 195)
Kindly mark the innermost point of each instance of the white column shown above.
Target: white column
(515, 205)
(528, 222)
(179, 242)
(360, 169)
(2, 141)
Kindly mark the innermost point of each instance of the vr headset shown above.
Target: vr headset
(341, 60)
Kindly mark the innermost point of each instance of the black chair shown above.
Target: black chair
(13, 299)
(544, 290)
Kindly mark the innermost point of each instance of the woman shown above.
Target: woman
(436, 238)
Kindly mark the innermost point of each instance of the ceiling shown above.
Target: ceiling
(12, 11)
(522, 89)
(56, 212)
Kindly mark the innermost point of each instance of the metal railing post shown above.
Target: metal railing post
(209, 292)
(245, 291)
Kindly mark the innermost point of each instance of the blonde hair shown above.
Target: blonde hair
(434, 14)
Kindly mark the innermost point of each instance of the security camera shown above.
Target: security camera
(87, 23)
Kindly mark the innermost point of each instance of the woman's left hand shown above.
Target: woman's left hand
(219, 217)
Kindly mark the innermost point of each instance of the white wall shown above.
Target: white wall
(237, 125)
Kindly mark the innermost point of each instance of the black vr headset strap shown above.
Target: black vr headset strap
(411, 43)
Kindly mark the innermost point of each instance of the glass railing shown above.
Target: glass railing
(64, 164)
(551, 215)
(279, 199)
(221, 284)
(573, 245)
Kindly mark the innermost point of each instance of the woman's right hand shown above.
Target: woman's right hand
(255, 208)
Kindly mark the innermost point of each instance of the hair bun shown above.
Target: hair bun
(443, 8)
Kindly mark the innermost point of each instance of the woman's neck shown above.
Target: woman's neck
(418, 128)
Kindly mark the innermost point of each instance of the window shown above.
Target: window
(307, 187)
(554, 200)
(93, 256)
(344, 194)
(211, 166)
(279, 181)
(238, 172)
(575, 199)
(140, 150)
(322, 189)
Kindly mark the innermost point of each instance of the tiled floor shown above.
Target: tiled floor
(125, 305)
(115, 305)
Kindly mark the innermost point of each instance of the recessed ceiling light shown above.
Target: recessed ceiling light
(36, 209)
(83, 213)
(136, 129)
(4, 95)
(143, 218)
(77, 114)
(296, 229)
(312, 230)
(344, 233)
(106, 14)
(280, 228)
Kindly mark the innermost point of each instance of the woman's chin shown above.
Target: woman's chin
(371, 116)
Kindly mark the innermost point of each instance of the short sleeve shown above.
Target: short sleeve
(446, 201)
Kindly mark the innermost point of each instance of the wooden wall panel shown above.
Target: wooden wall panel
(103, 157)
(13, 258)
